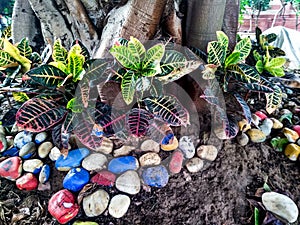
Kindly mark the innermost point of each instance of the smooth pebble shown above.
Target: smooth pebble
(122, 164)
(54, 153)
(94, 162)
(176, 161)
(27, 150)
(292, 151)
(207, 152)
(11, 168)
(40, 137)
(27, 182)
(119, 205)
(256, 135)
(150, 159)
(44, 174)
(129, 182)
(124, 150)
(96, 203)
(187, 147)
(73, 159)
(22, 138)
(75, 179)
(150, 146)
(156, 176)
(106, 146)
(44, 149)
(104, 178)
(33, 165)
(194, 165)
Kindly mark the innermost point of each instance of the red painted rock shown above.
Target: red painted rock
(104, 178)
(261, 115)
(11, 168)
(297, 129)
(62, 206)
(27, 182)
(176, 161)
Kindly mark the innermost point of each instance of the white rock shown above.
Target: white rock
(106, 146)
(96, 203)
(207, 152)
(150, 146)
(280, 205)
(22, 138)
(124, 150)
(94, 162)
(266, 126)
(194, 165)
(40, 137)
(150, 159)
(27, 149)
(242, 139)
(255, 119)
(187, 147)
(44, 149)
(54, 153)
(119, 205)
(129, 182)
(32, 165)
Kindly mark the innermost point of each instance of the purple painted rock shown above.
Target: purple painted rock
(104, 178)
(176, 161)
(62, 206)
(11, 168)
(27, 182)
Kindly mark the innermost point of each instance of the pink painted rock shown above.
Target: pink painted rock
(261, 115)
(11, 168)
(104, 178)
(27, 182)
(62, 206)
(297, 129)
(176, 161)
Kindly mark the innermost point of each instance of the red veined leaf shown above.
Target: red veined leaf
(158, 130)
(138, 121)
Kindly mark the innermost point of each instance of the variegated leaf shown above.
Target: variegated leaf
(245, 107)
(75, 62)
(153, 56)
(128, 86)
(25, 49)
(244, 48)
(216, 53)
(222, 38)
(59, 54)
(9, 118)
(137, 49)
(20, 96)
(244, 73)
(273, 100)
(138, 121)
(6, 60)
(232, 59)
(124, 57)
(84, 51)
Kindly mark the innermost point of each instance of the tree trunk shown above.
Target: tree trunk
(204, 18)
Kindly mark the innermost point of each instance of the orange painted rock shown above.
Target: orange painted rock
(27, 182)
(11, 168)
(62, 206)
(176, 161)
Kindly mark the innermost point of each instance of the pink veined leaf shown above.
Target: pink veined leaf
(138, 121)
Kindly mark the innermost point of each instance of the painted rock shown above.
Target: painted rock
(62, 206)
(244, 125)
(96, 203)
(22, 138)
(40, 137)
(72, 160)
(3, 143)
(122, 164)
(150, 159)
(27, 182)
(44, 187)
(280, 205)
(11, 168)
(84, 223)
(176, 161)
(119, 205)
(290, 134)
(44, 174)
(173, 144)
(106, 146)
(242, 139)
(279, 143)
(129, 182)
(44, 149)
(27, 150)
(94, 162)
(194, 165)
(292, 151)
(276, 123)
(54, 153)
(156, 176)
(255, 119)
(104, 178)
(266, 126)
(124, 150)
(187, 147)
(256, 135)
(150, 146)
(261, 115)
(297, 129)
(207, 152)
(14, 151)
(32, 165)
(75, 179)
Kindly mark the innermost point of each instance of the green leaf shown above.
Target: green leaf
(24, 48)
(276, 63)
(6, 60)
(232, 59)
(153, 57)
(47, 75)
(136, 48)
(60, 65)
(271, 37)
(20, 96)
(244, 73)
(124, 57)
(259, 66)
(75, 105)
(128, 86)
(223, 39)
(244, 48)
(59, 54)
(75, 62)
(216, 53)
(273, 100)
(277, 72)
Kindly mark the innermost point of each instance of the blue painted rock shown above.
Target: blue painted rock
(156, 176)
(72, 160)
(14, 151)
(62, 206)
(129, 182)
(33, 165)
(3, 143)
(44, 174)
(172, 145)
(96, 203)
(94, 162)
(22, 138)
(176, 161)
(104, 178)
(122, 164)
(75, 179)
(11, 168)
(40, 137)
(27, 150)
(118, 206)
(27, 182)
(44, 149)
(187, 147)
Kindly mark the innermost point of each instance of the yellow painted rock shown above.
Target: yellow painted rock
(276, 124)
(291, 135)
(171, 146)
(244, 125)
(292, 151)
(256, 135)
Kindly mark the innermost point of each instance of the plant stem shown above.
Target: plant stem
(256, 216)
